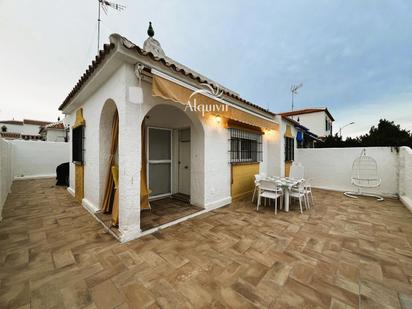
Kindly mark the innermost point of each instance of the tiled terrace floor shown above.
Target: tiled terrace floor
(343, 253)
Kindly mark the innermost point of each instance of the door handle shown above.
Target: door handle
(186, 167)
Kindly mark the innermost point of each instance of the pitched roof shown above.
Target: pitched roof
(36, 122)
(166, 62)
(55, 125)
(16, 122)
(308, 111)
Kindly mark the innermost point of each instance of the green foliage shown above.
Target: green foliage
(387, 133)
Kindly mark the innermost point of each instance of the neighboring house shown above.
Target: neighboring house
(317, 120)
(54, 132)
(27, 129)
(294, 136)
(162, 129)
(11, 126)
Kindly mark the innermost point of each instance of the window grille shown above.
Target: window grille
(245, 146)
(289, 149)
(77, 145)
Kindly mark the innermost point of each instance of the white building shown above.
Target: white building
(145, 127)
(54, 132)
(317, 120)
(28, 129)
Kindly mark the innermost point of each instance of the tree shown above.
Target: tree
(387, 133)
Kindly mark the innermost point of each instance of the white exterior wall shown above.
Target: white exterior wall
(28, 159)
(315, 122)
(6, 171)
(281, 145)
(92, 110)
(31, 129)
(210, 168)
(38, 159)
(331, 168)
(115, 89)
(55, 135)
(12, 128)
(405, 176)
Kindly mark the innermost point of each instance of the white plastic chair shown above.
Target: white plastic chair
(308, 191)
(269, 190)
(258, 178)
(299, 193)
(364, 176)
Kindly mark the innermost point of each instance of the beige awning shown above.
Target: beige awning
(169, 90)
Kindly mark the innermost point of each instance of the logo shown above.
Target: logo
(207, 90)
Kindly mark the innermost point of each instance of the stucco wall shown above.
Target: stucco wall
(315, 122)
(405, 176)
(210, 167)
(28, 159)
(38, 159)
(331, 168)
(54, 135)
(280, 148)
(31, 129)
(12, 128)
(6, 171)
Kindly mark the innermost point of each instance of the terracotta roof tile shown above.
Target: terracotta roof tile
(167, 62)
(55, 125)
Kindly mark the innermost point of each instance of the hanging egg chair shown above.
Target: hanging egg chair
(364, 176)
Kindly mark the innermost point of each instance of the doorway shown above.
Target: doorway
(159, 161)
(184, 162)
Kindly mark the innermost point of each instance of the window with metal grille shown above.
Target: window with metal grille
(77, 145)
(289, 149)
(245, 146)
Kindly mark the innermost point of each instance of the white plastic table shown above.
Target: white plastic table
(286, 184)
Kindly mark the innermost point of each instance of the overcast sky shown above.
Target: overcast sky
(354, 57)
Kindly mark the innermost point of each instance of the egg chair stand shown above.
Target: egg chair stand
(364, 176)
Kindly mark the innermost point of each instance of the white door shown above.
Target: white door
(184, 161)
(159, 154)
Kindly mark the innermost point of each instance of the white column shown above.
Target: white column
(129, 171)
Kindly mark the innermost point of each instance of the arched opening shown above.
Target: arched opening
(172, 154)
(109, 163)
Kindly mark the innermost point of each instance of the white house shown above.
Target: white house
(162, 129)
(54, 132)
(28, 129)
(317, 120)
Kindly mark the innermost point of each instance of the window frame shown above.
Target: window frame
(289, 149)
(78, 145)
(245, 146)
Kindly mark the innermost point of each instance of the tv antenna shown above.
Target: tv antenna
(294, 91)
(103, 5)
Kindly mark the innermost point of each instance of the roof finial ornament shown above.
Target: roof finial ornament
(150, 30)
(151, 45)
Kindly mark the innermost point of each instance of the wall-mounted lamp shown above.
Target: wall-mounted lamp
(269, 132)
(218, 119)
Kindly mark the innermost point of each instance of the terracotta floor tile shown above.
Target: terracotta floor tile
(342, 253)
